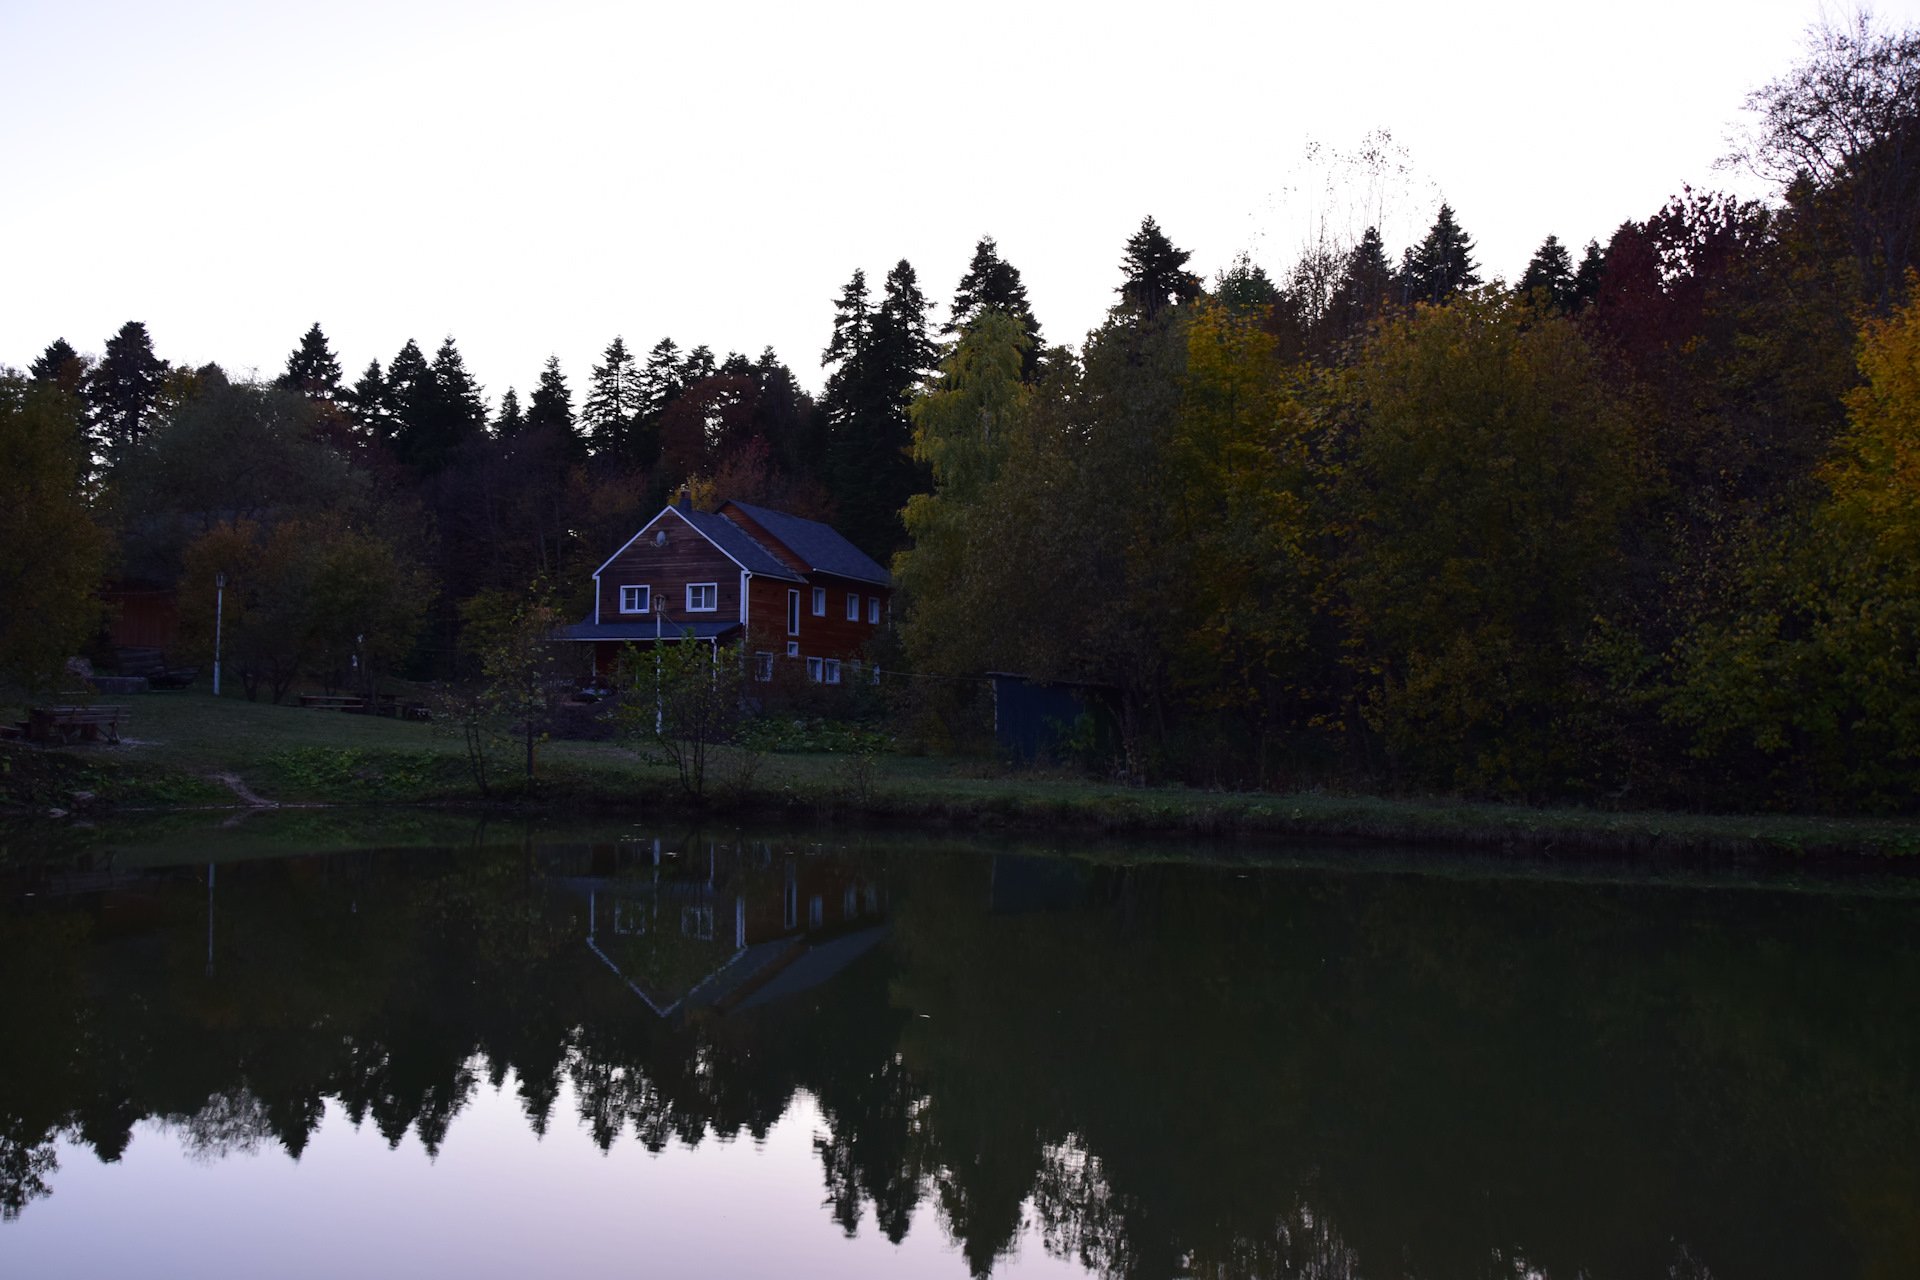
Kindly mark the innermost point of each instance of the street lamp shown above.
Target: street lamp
(219, 611)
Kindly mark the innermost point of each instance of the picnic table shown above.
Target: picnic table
(45, 724)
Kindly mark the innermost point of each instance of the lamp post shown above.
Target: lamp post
(659, 718)
(219, 613)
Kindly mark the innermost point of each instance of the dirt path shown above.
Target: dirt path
(245, 792)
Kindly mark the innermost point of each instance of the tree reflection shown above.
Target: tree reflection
(1146, 1070)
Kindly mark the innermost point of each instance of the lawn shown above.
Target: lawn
(178, 741)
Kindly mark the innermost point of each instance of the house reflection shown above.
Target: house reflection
(711, 926)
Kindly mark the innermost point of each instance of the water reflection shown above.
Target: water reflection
(1145, 1070)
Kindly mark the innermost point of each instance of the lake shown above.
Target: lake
(441, 1047)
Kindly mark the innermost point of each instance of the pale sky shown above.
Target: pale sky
(534, 179)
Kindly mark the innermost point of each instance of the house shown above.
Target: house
(795, 590)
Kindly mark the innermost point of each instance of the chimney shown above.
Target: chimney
(685, 501)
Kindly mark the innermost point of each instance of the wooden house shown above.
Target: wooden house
(795, 590)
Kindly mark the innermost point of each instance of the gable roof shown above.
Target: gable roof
(822, 547)
(731, 540)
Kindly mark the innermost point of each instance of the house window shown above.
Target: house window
(793, 614)
(853, 606)
(873, 610)
(819, 602)
(816, 911)
(635, 599)
(703, 597)
(697, 922)
(763, 667)
(815, 668)
(793, 648)
(831, 673)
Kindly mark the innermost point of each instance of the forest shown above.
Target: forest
(1639, 527)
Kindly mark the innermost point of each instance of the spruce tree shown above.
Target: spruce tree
(311, 368)
(123, 393)
(367, 402)
(993, 282)
(1442, 265)
(60, 366)
(697, 366)
(550, 411)
(1365, 283)
(883, 357)
(614, 403)
(1549, 276)
(509, 422)
(1586, 278)
(1245, 287)
(1156, 275)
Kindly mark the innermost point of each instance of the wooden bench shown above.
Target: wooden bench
(45, 724)
(332, 702)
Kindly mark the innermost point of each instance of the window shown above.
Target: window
(703, 597)
(635, 599)
(815, 669)
(816, 911)
(819, 602)
(873, 610)
(763, 667)
(793, 648)
(793, 615)
(831, 674)
(697, 922)
(853, 606)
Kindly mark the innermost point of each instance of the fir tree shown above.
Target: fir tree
(1549, 276)
(883, 357)
(123, 393)
(1440, 266)
(614, 403)
(660, 381)
(1245, 287)
(1156, 275)
(368, 404)
(697, 366)
(311, 368)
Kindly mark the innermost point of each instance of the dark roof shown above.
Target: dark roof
(821, 546)
(736, 542)
(669, 630)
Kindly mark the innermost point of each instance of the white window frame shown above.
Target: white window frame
(762, 667)
(793, 612)
(793, 648)
(853, 606)
(873, 611)
(819, 602)
(816, 669)
(830, 671)
(711, 590)
(641, 592)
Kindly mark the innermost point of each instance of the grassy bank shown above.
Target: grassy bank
(180, 744)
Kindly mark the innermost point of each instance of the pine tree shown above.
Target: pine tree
(510, 422)
(1442, 265)
(993, 282)
(1246, 288)
(614, 403)
(1156, 274)
(123, 393)
(1549, 276)
(311, 368)
(60, 366)
(660, 381)
(697, 366)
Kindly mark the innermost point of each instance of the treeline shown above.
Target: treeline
(1640, 527)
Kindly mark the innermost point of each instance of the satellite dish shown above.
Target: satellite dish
(660, 538)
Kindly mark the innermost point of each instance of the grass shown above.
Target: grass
(178, 741)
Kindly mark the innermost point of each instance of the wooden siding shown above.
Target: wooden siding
(829, 637)
(687, 557)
